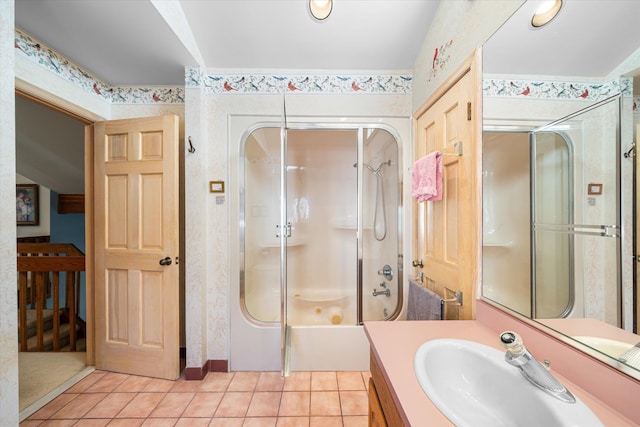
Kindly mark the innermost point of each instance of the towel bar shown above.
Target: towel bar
(458, 147)
(457, 297)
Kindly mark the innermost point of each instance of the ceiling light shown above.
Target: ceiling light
(546, 12)
(320, 9)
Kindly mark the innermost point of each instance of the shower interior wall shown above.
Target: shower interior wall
(323, 210)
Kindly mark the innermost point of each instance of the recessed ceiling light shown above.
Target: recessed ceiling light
(320, 9)
(546, 12)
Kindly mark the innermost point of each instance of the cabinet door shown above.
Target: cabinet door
(376, 415)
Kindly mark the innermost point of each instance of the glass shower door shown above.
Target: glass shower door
(576, 216)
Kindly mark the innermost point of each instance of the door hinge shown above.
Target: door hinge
(468, 111)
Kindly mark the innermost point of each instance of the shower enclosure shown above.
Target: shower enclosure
(319, 242)
(551, 217)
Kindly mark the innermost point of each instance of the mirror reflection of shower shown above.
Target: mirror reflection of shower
(551, 244)
(379, 228)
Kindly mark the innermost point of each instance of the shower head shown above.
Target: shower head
(372, 169)
(368, 166)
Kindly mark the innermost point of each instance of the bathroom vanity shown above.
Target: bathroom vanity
(395, 396)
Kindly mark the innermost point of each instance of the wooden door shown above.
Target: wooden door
(136, 246)
(446, 232)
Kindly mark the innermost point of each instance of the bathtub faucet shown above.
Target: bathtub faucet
(386, 291)
(517, 355)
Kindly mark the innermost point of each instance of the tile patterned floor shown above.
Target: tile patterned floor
(234, 399)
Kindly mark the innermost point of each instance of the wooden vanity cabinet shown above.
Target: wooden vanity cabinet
(382, 407)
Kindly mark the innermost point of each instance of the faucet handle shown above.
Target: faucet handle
(512, 342)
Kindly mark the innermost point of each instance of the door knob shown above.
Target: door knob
(417, 263)
(165, 261)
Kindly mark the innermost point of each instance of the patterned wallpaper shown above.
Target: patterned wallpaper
(550, 89)
(298, 83)
(44, 56)
(39, 53)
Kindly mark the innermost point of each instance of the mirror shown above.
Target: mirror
(558, 171)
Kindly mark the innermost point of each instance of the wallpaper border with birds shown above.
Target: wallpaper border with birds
(553, 89)
(46, 57)
(298, 83)
(391, 84)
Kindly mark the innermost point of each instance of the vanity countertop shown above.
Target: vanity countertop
(395, 343)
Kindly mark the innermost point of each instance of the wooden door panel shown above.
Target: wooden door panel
(445, 235)
(136, 216)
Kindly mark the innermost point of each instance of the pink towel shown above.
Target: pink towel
(426, 178)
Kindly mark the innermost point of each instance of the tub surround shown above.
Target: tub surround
(393, 345)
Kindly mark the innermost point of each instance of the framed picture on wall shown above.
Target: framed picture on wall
(27, 207)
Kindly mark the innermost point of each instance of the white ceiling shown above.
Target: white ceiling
(129, 43)
(588, 38)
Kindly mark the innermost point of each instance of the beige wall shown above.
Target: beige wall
(8, 314)
(459, 27)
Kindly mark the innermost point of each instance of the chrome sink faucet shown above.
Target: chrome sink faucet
(537, 374)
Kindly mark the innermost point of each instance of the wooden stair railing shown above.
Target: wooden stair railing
(41, 264)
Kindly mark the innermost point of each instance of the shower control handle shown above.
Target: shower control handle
(417, 263)
(387, 272)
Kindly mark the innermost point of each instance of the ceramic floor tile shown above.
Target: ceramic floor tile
(183, 385)
(350, 381)
(92, 422)
(234, 404)
(86, 382)
(260, 422)
(266, 399)
(172, 406)
(126, 422)
(325, 422)
(78, 407)
(193, 422)
(141, 405)
(226, 422)
(244, 381)
(133, 384)
(157, 385)
(204, 404)
(111, 405)
(365, 378)
(159, 422)
(270, 381)
(298, 381)
(293, 422)
(295, 403)
(216, 381)
(324, 381)
(354, 403)
(52, 407)
(264, 404)
(356, 421)
(108, 383)
(58, 423)
(325, 403)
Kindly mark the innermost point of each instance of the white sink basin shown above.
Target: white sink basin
(472, 385)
